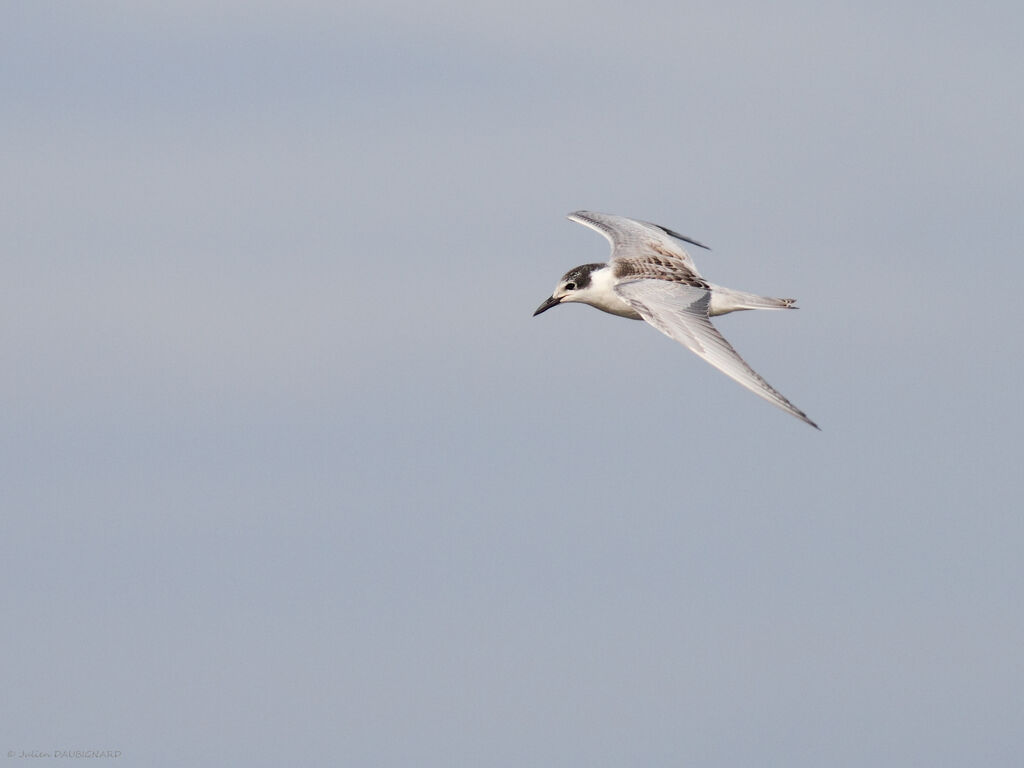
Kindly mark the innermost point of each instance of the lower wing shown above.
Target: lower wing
(681, 312)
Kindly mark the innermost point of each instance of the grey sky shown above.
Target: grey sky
(292, 474)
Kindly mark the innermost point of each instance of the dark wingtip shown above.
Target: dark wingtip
(684, 238)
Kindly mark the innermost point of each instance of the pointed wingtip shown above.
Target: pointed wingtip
(803, 418)
(684, 238)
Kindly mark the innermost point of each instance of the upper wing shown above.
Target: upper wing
(632, 239)
(681, 312)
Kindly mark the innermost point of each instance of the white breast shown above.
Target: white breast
(601, 294)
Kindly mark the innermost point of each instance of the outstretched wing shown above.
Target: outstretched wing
(639, 240)
(680, 311)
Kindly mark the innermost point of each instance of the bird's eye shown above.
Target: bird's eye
(570, 286)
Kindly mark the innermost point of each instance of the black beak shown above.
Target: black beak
(548, 304)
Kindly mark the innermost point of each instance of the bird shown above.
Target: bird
(650, 276)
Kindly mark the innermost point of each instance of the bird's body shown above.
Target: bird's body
(651, 277)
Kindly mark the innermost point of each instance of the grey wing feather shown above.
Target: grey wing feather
(681, 313)
(632, 239)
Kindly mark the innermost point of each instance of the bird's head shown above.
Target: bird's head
(574, 286)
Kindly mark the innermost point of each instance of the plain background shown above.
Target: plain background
(290, 474)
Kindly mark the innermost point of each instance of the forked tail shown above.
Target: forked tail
(725, 300)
